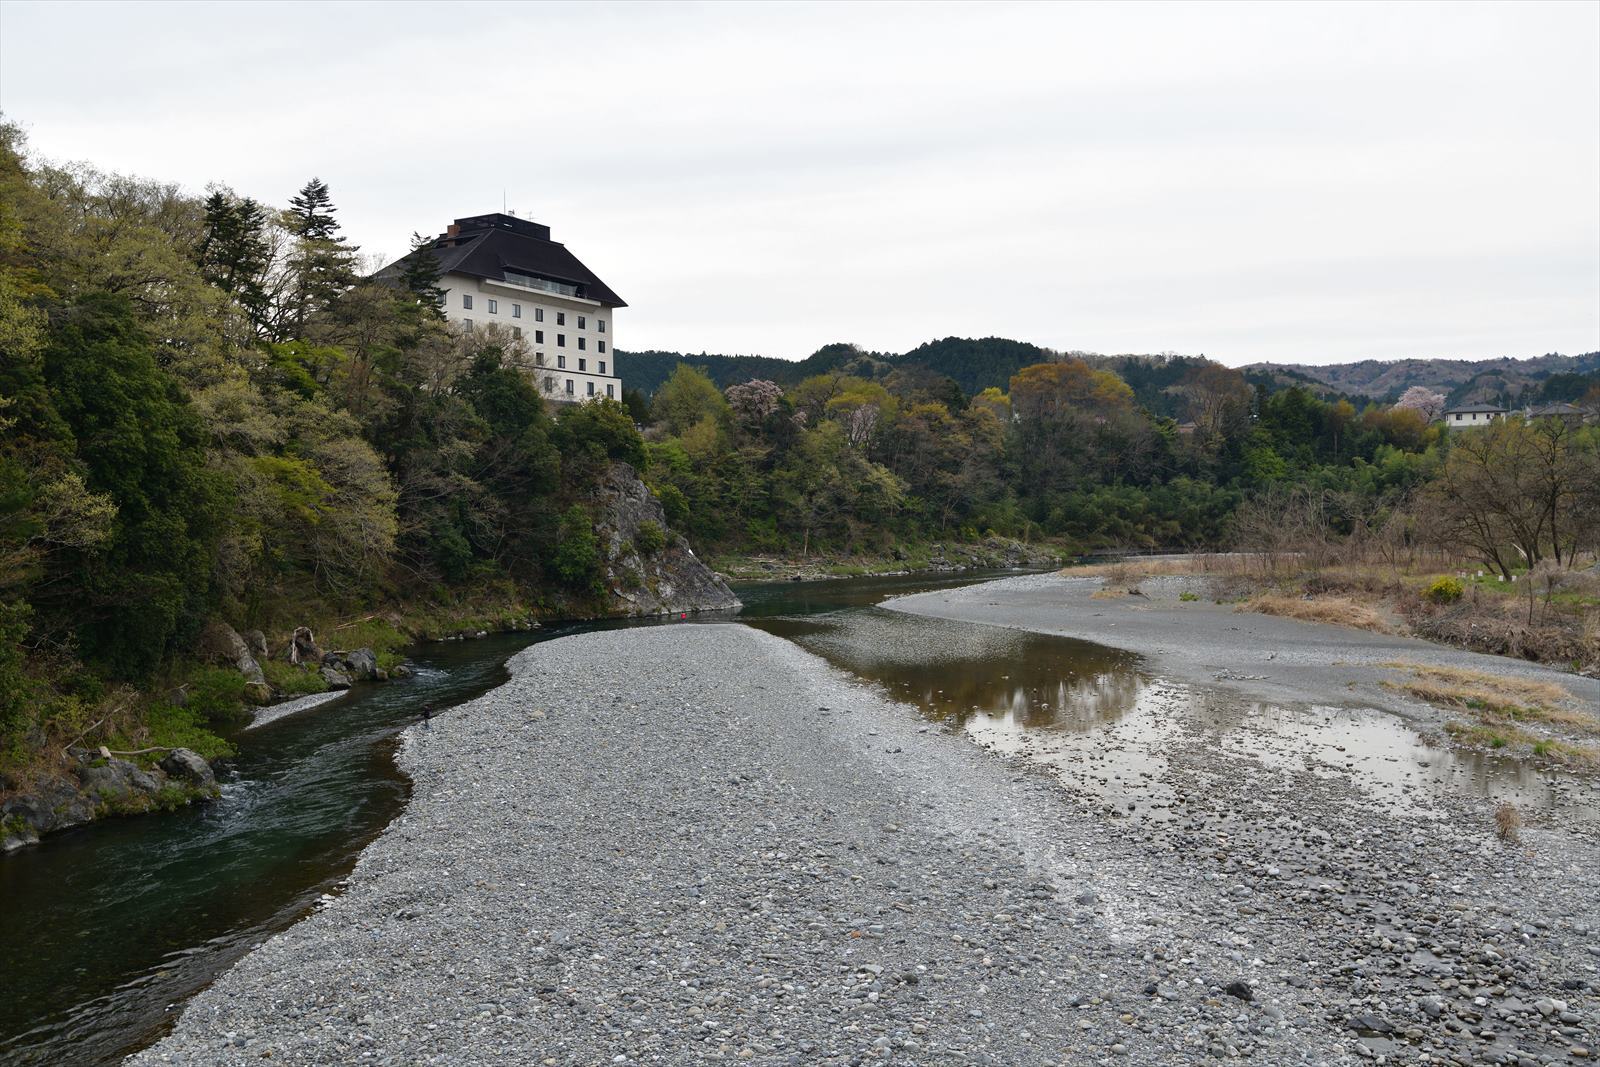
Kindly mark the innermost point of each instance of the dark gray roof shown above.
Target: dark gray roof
(487, 246)
(1560, 408)
(1467, 409)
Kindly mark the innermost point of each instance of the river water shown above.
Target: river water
(106, 930)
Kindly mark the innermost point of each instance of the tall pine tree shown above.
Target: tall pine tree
(311, 213)
(323, 264)
(234, 254)
(420, 276)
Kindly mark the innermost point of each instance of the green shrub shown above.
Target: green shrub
(1188, 597)
(386, 640)
(1444, 590)
(675, 504)
(292, 680)
(171, 726)
(215, 694)
(650, 538)
(577, 557)
(16, 692)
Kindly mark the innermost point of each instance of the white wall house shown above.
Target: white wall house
(505, 271)
(1470, 416)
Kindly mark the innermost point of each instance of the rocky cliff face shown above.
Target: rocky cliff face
(95, 784)
(650, 570)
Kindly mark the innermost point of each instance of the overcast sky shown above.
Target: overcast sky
(1260, 181)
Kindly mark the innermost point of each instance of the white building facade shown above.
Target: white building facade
(499, 270)
(1472, 416)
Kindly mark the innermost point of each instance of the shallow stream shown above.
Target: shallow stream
(106, 930)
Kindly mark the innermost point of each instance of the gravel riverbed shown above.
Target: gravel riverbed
(701, 843)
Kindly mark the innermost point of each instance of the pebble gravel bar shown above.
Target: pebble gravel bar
(699, 843)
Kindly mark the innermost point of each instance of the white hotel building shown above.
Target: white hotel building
(502, 270)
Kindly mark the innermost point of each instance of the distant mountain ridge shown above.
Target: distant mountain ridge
(1503, 379)
(976, 364)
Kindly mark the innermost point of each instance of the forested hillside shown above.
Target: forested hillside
(978, 364)
(207, 414)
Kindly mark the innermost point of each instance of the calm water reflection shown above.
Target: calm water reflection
(1106, 727)
(961, 673)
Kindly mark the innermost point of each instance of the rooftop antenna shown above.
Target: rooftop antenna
(502, 201)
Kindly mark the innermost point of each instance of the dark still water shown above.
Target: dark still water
(107, 929)
(104, 927)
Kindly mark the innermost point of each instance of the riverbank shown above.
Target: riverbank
(193, 713)
(699, 843)
(1186, 635)
(1550, 615)
(991, 553)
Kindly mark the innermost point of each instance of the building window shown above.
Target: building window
(602, 346)
(516, 311)
(602, 366)
(582, 323)
(610, 391)
(561, 340)
(516, 331)
(538, 314)
(538, 337)
(494, 307)
(538, 357)
(549, 384)
(583, 364)
(591, 388)
(569, 386)
(561, 318)
(561, 361)
(468, 324)
(582, 343)
(600, 324)
(466, 301)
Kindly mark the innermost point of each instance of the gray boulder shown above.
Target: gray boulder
(115, 785)
(359, 664)
(335, 678)
(14, 836)
(222, 643)
(362, 664)
(257, 642)
(186, 766)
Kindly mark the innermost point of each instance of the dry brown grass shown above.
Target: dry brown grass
(1131, 571)
(1508, 823)
(1494, 694)
(1502, 736)
(1337, 610)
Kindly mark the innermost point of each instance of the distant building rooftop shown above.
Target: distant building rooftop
(503, 247)
(1482, 409)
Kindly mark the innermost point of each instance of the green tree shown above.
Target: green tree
(577, 557)
(235, 254)
(141, 446)
(420, 276)
(687, 398)
(322, 264)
